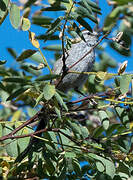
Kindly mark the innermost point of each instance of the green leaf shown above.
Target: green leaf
(49, 166)
(1, 129)
(54, 25)
(109, 24)
(53, 47)
(37, 58)
(31, 112)
(3, 8)
(84, 132)
(39, 99)
(75, 127)
(26, 54)
(3, 72)
(122, 114)
(70, 154)
(50, 138)
(55, 8)
(76, 166)
(65, 1)
(116, 12)
(96, 10)
(81, 11)
(124, 83)
(47, 37)
(3, 62)
(2, 86)
(47, 77)
(41, 20)
(53, 137)
(127, 42)
(103, 115)
(78, 31)
(64, 139)
(29, 68)
(50, 148)
(100, 77)
(100, 166)
(104, 119)
(110, 168)
(98, 131)
(29, 3)
(48, 91)
(106, 61)
(12, 52)
(23, 142)
(85, 5)
(109, 165)
(93, 4)
(17, 92)
(69, 165)
(105, 124)
(111, 129)
(124, 168)
(16, 80)
(60, 101)
(15, 16)
(4, 95)
(11, 147)
(82, 22)
(57, 109)
(111, 19)
(121, 2)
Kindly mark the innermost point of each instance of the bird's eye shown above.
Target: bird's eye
(88, 33)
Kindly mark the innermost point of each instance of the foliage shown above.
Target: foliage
(90, 137)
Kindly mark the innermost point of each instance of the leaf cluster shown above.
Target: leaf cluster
(90, 137)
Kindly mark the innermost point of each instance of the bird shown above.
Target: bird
(77, 51)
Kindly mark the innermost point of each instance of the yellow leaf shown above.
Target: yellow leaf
(5, 164)
(34, 42)
(31, 93)
(69, 6)
(51, 1)
(25, 24)
(7, 159)
(5, 168)
(130, 157)
(131, 125)
(16, 116)
(100, 77)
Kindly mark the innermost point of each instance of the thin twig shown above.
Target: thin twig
(45, 61)
(11, 135)
(89, 50)
(65, 70)
(69, 137)
(63, 32)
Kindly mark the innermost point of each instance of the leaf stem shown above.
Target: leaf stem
(45, 61)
